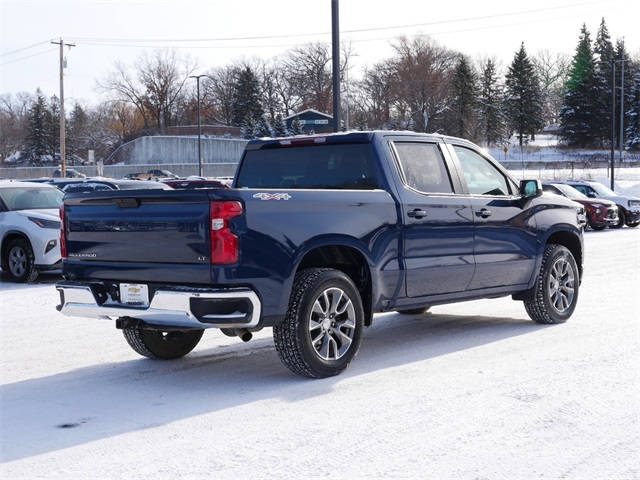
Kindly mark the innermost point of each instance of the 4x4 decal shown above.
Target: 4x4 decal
(272, 196)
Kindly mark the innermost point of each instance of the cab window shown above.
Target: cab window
(482, 177)
(422, 167)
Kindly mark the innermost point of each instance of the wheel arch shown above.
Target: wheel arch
(349, 260)
(570, 241)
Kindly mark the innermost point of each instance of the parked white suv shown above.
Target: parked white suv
(29, 229)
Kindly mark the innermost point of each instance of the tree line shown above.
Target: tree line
(423, 86)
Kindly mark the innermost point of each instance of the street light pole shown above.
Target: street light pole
(613, 113)
(200, 170)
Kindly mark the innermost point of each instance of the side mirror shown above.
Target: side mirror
(530, 188)
(592, 195)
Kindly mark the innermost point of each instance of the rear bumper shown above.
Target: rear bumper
(182, 307)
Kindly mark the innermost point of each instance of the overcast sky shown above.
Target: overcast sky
(216, 32)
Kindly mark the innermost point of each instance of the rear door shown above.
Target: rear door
(438, 224)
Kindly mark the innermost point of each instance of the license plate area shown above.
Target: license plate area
(134, 294)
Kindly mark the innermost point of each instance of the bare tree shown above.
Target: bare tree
(14, 122)
(308, 70)
(375, 96)
(552, 70)
(218, 88)
(423, 71)
(155, 86)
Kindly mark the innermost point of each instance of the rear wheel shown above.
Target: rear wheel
(556, 289)
(633, 225)
(322, 330)
(20, 261)
(162, 345)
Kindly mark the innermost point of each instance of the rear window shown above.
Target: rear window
(341, 167)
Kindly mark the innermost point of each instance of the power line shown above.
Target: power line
(97, 41)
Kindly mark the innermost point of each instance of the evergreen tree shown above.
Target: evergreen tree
(279, 127)
(625, 84)
(38, 136)
(52, 120)
(296, 127)
(246, 103)
(633, 116)
(463, 101)
(577, 127)
(77, 127)
(262, 128)
(491, 99)
(604, 55)
(248, 128)
(523, 103)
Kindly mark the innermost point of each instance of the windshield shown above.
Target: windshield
(570, 192)
(31, 198)
(602, 190)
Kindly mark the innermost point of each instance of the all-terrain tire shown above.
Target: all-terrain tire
(20, 261)
(322, 330)
(162, 345)
(557, 287)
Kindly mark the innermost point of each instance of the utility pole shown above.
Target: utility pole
(335, 41)
(621, 104)
(63, 166)
(200, 169)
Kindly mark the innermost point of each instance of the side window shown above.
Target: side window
(582, 189)
(422, 167)
(482, 177)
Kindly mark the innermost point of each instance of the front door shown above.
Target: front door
(505, 241)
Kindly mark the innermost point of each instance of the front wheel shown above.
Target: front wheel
(556, 289)
(322, 330)
(20, 261)
(162, 345)
(622, 219)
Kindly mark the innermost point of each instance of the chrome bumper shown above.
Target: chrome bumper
(172, 307)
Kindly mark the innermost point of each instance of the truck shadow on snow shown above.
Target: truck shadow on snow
(89, 404)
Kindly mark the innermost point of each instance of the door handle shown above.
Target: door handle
(417, 213)
(484, 213)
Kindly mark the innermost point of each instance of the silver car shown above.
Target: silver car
(29, 229)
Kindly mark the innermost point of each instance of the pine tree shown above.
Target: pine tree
(463, 101)
(602, 84)
(248, 128)
(296, 127)
(246, 103)
(621, 57)
(491, 99)
(262, 128)
(76, 132)
(577, 127)
(279, 127)
(523, 102)
(52, 121)
(633, 116)
(38, 136)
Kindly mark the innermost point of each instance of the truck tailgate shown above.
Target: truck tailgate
(138, 231)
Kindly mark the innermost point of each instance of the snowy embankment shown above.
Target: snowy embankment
(473, 390)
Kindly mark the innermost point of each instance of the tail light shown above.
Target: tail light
(63, 243)
(224, 243)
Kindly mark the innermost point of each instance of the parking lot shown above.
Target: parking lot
(472, 390)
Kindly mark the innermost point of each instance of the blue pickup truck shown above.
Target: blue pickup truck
(316, 235)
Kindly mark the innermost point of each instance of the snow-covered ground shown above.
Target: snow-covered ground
(473, 390)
